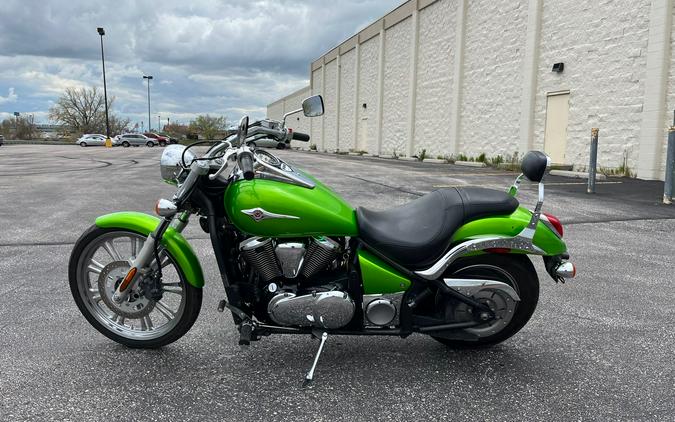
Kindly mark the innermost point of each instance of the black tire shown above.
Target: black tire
(126, 144)
(193, 298)
(521, 270)
(162, 143)
(83, 144)
(149, 144)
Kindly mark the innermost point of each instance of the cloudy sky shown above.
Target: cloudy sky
(219, 57)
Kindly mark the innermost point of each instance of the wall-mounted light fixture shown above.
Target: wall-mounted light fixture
(558, 67)
(364, 106)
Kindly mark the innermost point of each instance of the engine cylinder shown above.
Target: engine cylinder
(259, 253)
(320, 252)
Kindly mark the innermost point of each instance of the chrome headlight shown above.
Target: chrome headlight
(170, 164)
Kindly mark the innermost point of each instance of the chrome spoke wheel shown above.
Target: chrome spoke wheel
(103, 264)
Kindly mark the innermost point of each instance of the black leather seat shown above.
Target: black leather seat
(416, 234)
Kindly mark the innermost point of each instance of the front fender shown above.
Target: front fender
(173, 241)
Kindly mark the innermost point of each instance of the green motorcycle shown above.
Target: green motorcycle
(294, 258)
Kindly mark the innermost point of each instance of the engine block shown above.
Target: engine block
(332, 309)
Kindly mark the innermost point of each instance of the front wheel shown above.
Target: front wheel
(97, 265)
(150, 144)
(513, 269)
(83, 144)
(125, 144)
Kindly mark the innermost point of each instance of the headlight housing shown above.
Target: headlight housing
(170, 164)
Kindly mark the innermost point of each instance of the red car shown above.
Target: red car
(161, 140)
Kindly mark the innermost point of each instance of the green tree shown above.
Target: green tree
(209, 127)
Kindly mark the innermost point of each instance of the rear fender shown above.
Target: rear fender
(173, 241)
(509, 226)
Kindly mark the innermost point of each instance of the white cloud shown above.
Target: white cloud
(10, 98)
(206, 56)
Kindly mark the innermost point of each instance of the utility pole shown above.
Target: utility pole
(149, 77)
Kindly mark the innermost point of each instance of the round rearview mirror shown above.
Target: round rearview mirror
(242, 129)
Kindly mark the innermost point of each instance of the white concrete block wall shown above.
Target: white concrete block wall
(604, 47)
(397, 56)
(330, 104)
(317, 122)
(369, 52)
(435, 78)
(347, 88)
(491, 89)
(275, 110)
(605, 62)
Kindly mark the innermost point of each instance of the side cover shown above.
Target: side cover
(173, 241)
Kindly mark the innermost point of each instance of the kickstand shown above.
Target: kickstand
(310, 375)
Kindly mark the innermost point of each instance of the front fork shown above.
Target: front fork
(140, 266)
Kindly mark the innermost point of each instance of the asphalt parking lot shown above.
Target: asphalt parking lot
(600, 347)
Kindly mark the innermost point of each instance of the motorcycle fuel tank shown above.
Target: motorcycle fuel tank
(271, 208)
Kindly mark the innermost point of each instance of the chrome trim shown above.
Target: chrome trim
(165, 208)
(522, 242)
(566, 270)
(287, 172)
(253, 243)
(259, 214)
(470, 287)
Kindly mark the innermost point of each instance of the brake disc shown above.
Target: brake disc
(135, 306)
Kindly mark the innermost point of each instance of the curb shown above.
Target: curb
(434, 161)
(576, 174)
(470, 164)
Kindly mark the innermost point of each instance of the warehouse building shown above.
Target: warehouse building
(498, 77)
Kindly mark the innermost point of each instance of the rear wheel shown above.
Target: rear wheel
(125, 144)
(513, 269)
(83, 144)
(150, 144)
(97, 265)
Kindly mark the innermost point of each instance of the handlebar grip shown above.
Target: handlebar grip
(245, 161)
(299, 136)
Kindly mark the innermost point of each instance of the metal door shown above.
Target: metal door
(555, 138)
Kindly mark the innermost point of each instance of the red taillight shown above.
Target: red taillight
(555, 223)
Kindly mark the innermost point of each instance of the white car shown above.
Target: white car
(135, 139)
(91, 139)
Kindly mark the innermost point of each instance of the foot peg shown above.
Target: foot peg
(310, 375)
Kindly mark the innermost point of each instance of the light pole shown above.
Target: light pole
(149, 77)
(108, 143)
(159, 129)
(16, 124)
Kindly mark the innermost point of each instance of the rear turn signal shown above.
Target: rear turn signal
(557, 226)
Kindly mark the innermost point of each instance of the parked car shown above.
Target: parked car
(171, 139)
(161, 139)
(135, 139)
(91, 139)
